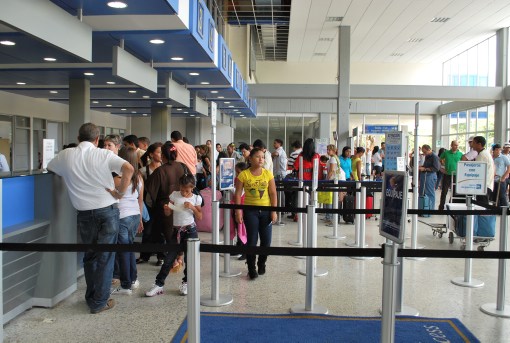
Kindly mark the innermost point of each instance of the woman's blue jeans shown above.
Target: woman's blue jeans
(127, 260)
(258, 224)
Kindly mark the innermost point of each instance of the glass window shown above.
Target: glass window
(492, 62)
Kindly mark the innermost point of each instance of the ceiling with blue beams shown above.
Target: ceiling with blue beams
(25, 61)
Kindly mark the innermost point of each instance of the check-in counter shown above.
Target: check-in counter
(36, 209)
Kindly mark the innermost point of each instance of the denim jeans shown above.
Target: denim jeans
(170, 257)
(127, 260)
(429, 180)
(502, 201)
(258, 223)
(100, 226)
(328, 216)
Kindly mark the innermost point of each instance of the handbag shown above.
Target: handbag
(195, 189)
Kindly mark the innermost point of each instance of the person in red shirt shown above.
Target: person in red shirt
(308, 155)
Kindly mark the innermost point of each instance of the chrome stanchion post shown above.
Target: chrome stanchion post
(400, 309)
(280, 197)
(355, 244)
(299, 241)
(388, 295)
(363, 196)
(216, 299)
(498, 309)
(467, 281)
(193, 290)
(226, 239)
(335, 235)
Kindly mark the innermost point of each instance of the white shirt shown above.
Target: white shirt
(87, 172)
(4, 166)
(268, 161)
(184, 216)
(128, 205)
(471, 155)
(377, 159)
(485, 156)
(280, 163)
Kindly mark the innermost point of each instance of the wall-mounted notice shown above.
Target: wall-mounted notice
(227, 173)
(48, 152)
(321, 146)
(393, 207)
(471, 178)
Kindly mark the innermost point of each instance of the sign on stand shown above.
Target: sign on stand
(227, 173)
(471, 178)
(394, 149)
(394, 206)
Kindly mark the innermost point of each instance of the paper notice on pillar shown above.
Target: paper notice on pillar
(48, 152)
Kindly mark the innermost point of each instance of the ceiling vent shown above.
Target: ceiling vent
(439, 20)
(326, 39)
(334, 19)
(415, 40)
(397, 54)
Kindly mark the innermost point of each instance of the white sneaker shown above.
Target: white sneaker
(183, 288)
(155, 290)
(135, 284)
(124, 291)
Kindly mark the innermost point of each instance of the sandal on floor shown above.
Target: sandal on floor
(109, 305)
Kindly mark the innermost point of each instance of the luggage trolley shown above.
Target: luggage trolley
(484, 227)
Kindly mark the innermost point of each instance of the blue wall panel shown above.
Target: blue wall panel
(17, 201)
(225, 60)
(200, 25)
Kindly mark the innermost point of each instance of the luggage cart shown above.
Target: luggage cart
(438, 229)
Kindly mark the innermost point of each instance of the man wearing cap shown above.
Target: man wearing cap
(506, 150)
(449, 159)
(472, 153)
(478, 144)
(502, 170)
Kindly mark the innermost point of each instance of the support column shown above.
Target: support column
(79, 106)
(501, 106)
(325, 125)
(193, 131)
(160, 123)
(344, 90)
(436, 132)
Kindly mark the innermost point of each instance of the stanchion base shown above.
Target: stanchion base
(416, 258)
(459, 281)
(491, 310)
(297, 244)
(300, 257)
(362, 257)
(279, 224)
(406, 311)
(233, 273)
(318, 272)
(301, 309)
(222, 300)
(354, 245)
(336, 237)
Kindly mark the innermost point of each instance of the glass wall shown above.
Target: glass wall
(473, 67)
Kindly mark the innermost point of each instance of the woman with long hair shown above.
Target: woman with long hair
(357, 165)
(376, 162)
(308, 155)
(260, 190)
(345, 162)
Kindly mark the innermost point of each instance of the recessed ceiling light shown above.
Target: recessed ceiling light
(191, 115)
(204, 83)
(179, 109)
(194, 74)
(108, 105)
(7, 42)
(88, 74)
(144, 114)
(133, 111)
(176, 58)
(21, 83)
(110, 82)
(50, 59)
(54, 92)
(231, 106)
(221, 97)
(132, 92)
(160, 102)
(186, 112)
(241, 115)
(122, 109)
(95, 102)
(146, 97)
(227, 102)
(156, 41)
(214, 92)
(117, 4)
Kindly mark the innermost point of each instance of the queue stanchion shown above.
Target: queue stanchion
(467, 280)
(335, 235)
(400, 309)
(388, 294)
(216, 299)
(193, 266)
(302, 219)
(363, 196)
(279, 196)
(357, 218)
(227, 272)
(299, 241)
(499, 309)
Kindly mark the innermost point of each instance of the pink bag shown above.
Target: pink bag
(241, 228)
(205, 224)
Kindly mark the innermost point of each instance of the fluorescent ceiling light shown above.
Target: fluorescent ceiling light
(231, 106)
(54, 92)
(186, 112)
(242, 115)
(144, 114)
(133, 111)
(156, 41)
(117, 4)
(132, 92)
(194, 74)
(204, 83)
(176, 58)
(221, 97)
(191, 115)
(110, 82)
(122, 109)
(7, 42)
(50, 59)
(146, 97)
(95, 102)
(21, 83)
(214, 92)
(179, 109)
(88, 74)
(160, 102)
(108, 105)
(227, 102)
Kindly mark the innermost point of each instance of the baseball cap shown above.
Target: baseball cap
(507, 145)
(471, 138)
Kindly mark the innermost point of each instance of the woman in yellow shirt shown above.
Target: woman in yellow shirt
(260, 190)
(356, 164)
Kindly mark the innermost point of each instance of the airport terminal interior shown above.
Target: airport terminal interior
(343, 72)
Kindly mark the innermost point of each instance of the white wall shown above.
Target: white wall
(361, 73)
(141, 126)
(224, 133)
(237, 39)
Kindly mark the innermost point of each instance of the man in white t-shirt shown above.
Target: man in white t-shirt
(87, 172)
(483, 155)
(472, 153)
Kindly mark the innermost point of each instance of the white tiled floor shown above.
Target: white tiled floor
(352, 288)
